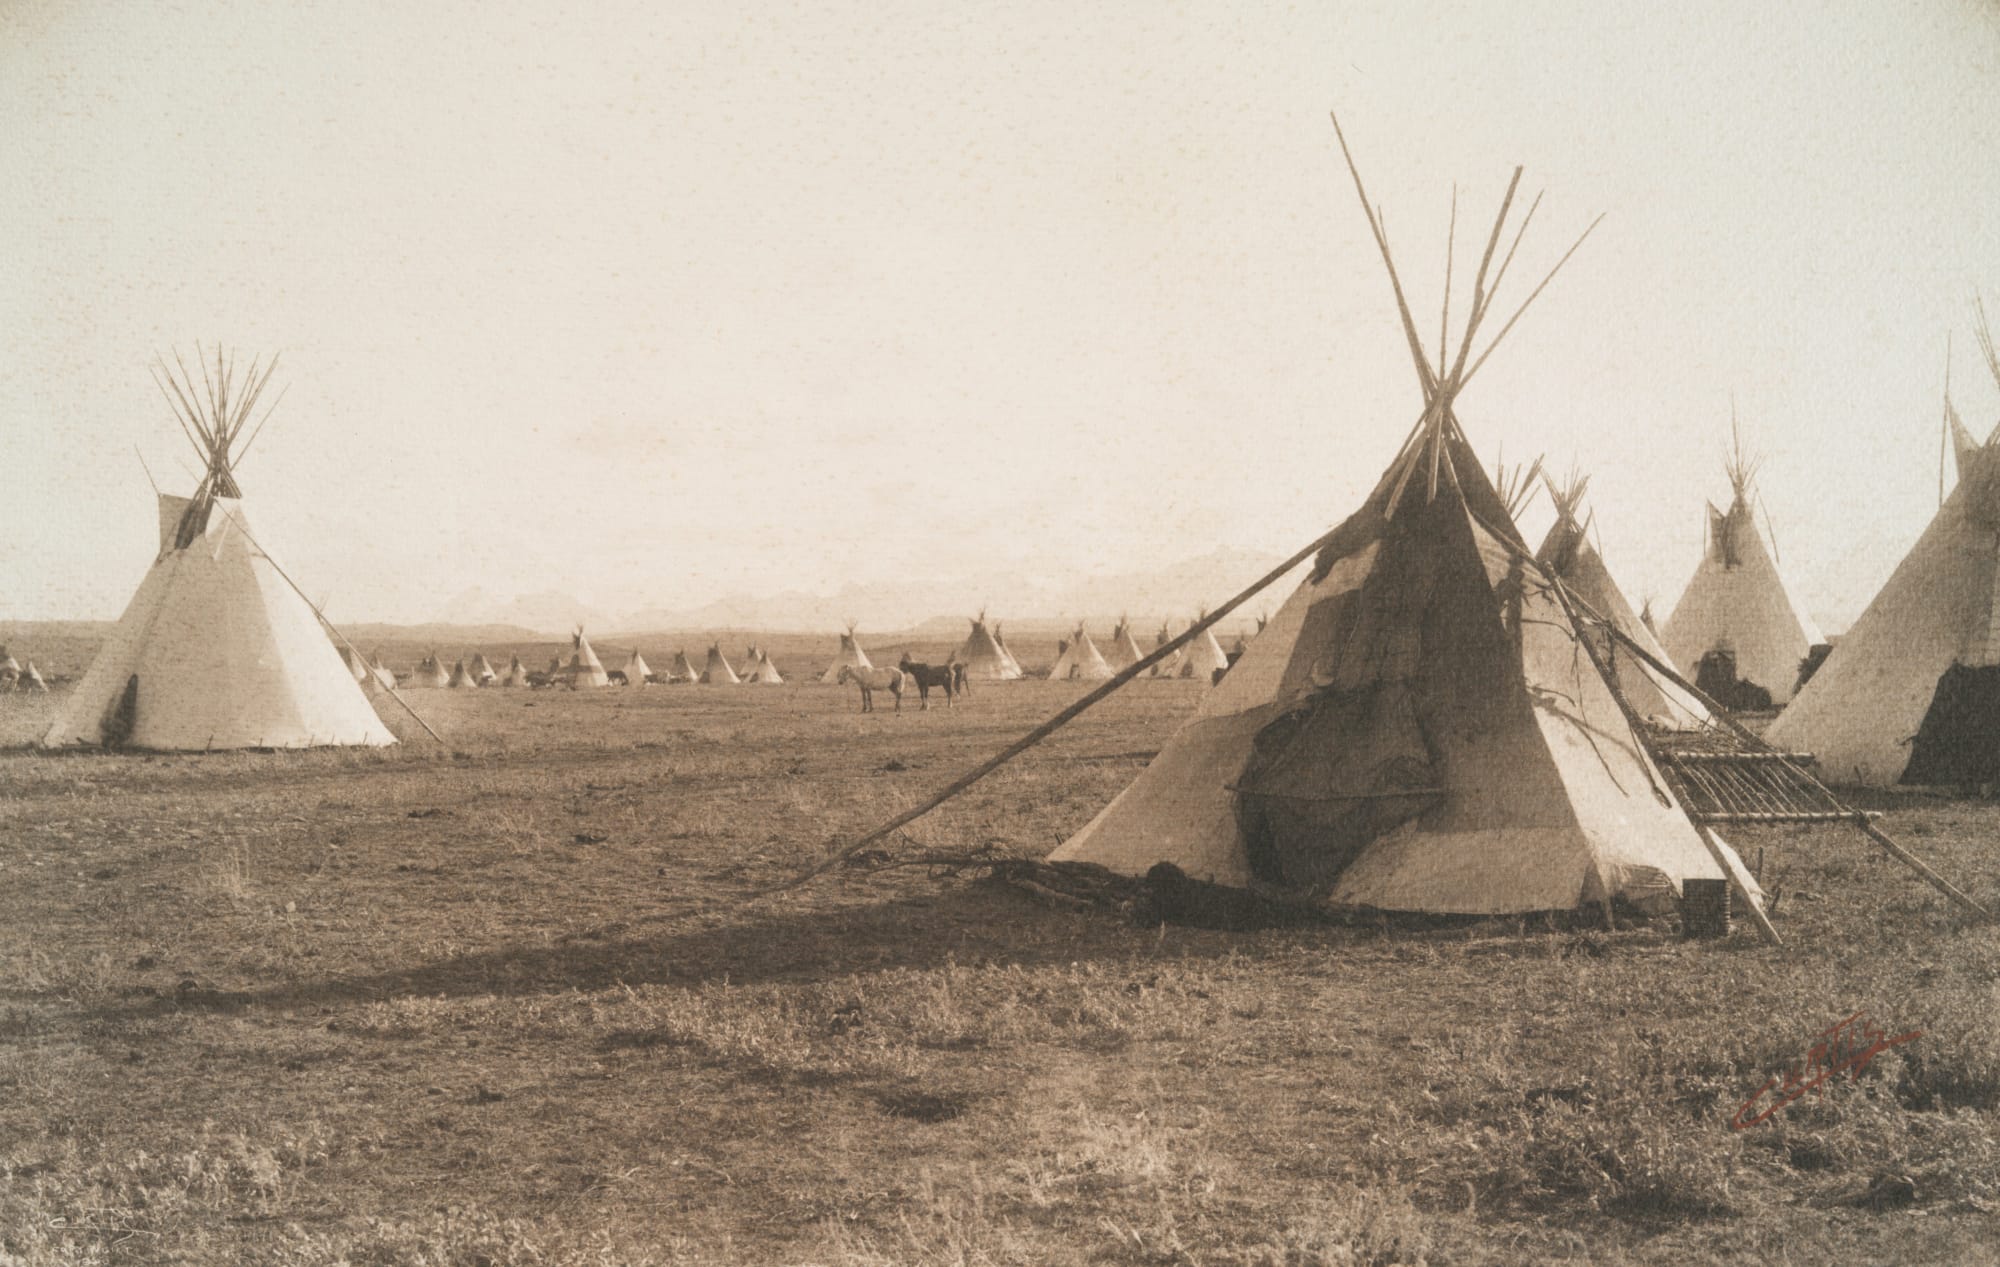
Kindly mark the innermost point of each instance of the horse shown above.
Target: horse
(948, 677)
(871, 681)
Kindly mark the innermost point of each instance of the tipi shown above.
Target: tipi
(31, 678)
(637, 671)
(1737, 631)
(1081, 661)
(1006, 652)
(1567, 553)
(1171, 666)
(759, 671)
(1203, 658)
(462, 678)
(516, 674)
(985, 660)
(717, 671)
(1420, 727)
(430, 671)
(217, 649)
(482, 669)
(10, 668)
(680, 670)
(851, 656)
(584, 668)
(357, 664)
(1124, 651)
(1911, 693)
(383, 675)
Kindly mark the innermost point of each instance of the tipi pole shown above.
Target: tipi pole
(327, 624)
(1057, 722)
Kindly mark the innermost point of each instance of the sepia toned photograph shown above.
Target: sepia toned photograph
(853, 633)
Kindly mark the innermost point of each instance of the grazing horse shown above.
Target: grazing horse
(871, 681)
(947, 677)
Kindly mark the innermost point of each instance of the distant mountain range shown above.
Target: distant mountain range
(938, 607)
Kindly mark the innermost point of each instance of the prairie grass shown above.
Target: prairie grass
(528, 998)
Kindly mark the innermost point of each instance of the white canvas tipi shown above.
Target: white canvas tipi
(1737, 632)
(31, 678)
(759, 671)
(1567, 553)
(430, 671)
(584, 668)
(462, 678)
(1124, 651)
(516, 674)
(216, 649)
(1203, 658)
(481, 669)
(984, 658)
(636, 670)
(851, 656)
(717, 671)
(1419, 727)
(1911, 693)
(680, 670)
(1081, 661)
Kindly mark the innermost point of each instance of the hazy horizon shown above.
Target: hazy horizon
(657, 307)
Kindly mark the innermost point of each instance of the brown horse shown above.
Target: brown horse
(949, 677)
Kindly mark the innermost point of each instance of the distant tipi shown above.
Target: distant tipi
(516, 674)
(1081, 661)
(759, 671)
(1203, 658)
(31, 678)
(1124, 652)
(1567, 553)
(217, 649)
(636, 670)
(584, 668)
(717, 671)
(1737, 631)
(1911, 693)
(462, 678)
(430, 671)
(985, 660)
(850, 656)
(680, 670)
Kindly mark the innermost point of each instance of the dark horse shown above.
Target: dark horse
(950, 677)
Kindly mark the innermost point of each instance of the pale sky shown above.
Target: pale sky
(653, 304)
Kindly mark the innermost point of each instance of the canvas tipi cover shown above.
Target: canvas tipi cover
(1419, 727)
(1909, 693)
(1124, 651)
(216, 650)
(31, 678)
(1567, 553)
(680, 670)
(1202, 658)
(717, 671)
(983, 657)
(481, 669)
(461, 678)
(516, 674)
(1737, 602)
(584, 668)
(1081, 661)
(851, 656)
(761, 672)
(430, 671)
(1171, 666)
(637, 670)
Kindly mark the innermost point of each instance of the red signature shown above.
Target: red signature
(1846, 1047)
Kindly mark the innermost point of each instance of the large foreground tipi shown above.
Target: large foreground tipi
(984, 658)
(216, 649)
(1911, 693)
(1567, 553)
(1420, 727)
(851, 656)
(1737, 630)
